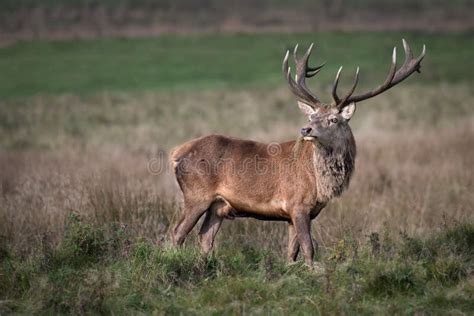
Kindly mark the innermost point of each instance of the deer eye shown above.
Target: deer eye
(333, 120)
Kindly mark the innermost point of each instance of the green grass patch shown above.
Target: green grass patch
(93, 270)
(216, 61)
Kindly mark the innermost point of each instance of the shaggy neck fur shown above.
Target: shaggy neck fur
(333, 166)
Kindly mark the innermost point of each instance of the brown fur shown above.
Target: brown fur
(228, 177)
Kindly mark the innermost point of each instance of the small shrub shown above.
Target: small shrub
(82, 243)
(4, 249)
(15, 277)
(400, 279)
(119, 241)
(141, 252)
(446, 270)
(457, 241)
(417, 249)
(339, 251)
(184, 265)
(374, 240)
(175, 266)
(246, 257)
(460, 239)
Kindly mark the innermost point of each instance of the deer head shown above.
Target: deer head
(328, 124)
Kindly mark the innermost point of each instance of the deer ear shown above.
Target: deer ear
(306, 109)
(348, 111)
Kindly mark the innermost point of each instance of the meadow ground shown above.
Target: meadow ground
(86, 200)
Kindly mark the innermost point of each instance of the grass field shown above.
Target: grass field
(84, 220)
(215, 61)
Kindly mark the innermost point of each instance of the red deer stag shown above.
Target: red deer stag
(225, 177)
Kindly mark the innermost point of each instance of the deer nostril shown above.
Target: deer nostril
(305, 131)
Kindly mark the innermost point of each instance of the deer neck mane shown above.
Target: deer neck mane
(332, 167)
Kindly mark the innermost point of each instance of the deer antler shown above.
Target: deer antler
(303, 71)
(395, 76)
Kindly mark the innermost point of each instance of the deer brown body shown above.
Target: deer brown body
(224, 177)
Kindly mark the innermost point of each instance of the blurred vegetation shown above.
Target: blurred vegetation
(143, 122)
(72, 19)
(217, 61)
(206, 4)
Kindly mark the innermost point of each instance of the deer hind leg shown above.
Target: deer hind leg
(212, 222)
(191, 214)
(293, 243)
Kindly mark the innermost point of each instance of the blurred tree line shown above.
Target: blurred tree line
(73, 18)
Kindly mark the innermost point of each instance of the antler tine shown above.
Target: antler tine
(304, 67)
(302, 70)
(409, 66)
(395, 76)
(295, 53)
(300, 93)
(298, 85)
(287, 72)
(340, 102)
(302, 64)
(334, 87)
(311, 71)
(384, 86)
(407, 49)
(351, 91)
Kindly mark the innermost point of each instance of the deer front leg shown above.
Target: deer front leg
(302, 224)
(293, 243)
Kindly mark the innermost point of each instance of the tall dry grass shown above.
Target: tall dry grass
(92, 156)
